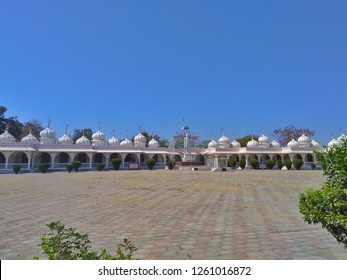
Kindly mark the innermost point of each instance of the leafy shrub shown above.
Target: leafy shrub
(270, 163)
(68, 244)
(150, 163)
(254, 163)
(69, 168)
(328, 205)
(116, 162)
(242, 163)
(76, 165)
(16, 168)
(43, 167)
(232, 163)
(288, 163)
(279, 164)
(100, 166)
(297, 162)
(313, 166)
(170, 164)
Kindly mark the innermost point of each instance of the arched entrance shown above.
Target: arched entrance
(2, 161)
(19, 158)
(61, 160)
(200, 160)
(42, 158)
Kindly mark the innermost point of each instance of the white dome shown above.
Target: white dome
(140, 138)
(83, 141)
(314, 143)
(48, 133)
(113, 141)
(224, 141)
(65, 139)
(252, 144)
(126, 143)
(98, 136)
(293, 143)
(235, 144)
(303, 139)
(333, 142)
(6, 137)
(263, 139)
(342, 138)
(275, 144)
(30, 139)
(153, 143)
(212, 144)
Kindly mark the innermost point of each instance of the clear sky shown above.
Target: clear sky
(238, 65)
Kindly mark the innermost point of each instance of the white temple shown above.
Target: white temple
(30, 151)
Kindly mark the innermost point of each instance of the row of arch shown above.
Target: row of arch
(89, 160)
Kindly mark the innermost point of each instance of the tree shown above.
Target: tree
(88, 132)
(34, 126)
(203, 143)
(283, 136)
(245, 139)
(15, 125)
(328, 205)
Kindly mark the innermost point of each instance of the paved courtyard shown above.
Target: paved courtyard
(167, 214)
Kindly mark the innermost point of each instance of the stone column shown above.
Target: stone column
(53, 155)
(90, 155)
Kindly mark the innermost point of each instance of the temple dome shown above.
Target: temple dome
(30, 139)
(212, 144)
(275, 144)
(99, 136)
(252, 144)
(126, 143)
(293, 143)
(7, 137)
(140, 138)
(303, 139)
(153, 143)
(333, 142)
(83, 141)
(314, 143)
(65, 139)
(224, 142)
(113, 141)
(263, 139)
(235, 144)
(48, 132)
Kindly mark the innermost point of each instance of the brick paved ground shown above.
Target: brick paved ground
(167, 214)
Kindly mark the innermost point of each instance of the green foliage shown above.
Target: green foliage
(242, 163)
(34, 126)
(313, 166)
(76, 165)
(43, 167)
(328, 205)
(170, 164)
(270, 164)
(288, 163)
(232, 163)
(245, 139)
(100, 166)
(254, 163)
(116, 162)
(15, 125)
(150, 163)
(279, 164)
(16, 168)
(297, 162)
(67, 244)
(69, 168)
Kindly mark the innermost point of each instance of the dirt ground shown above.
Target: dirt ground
(244, 214)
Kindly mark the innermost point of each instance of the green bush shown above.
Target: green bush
(170, 164)
(328, 205)
(313, 166)
(254, 163)
(68, 244)
(288, 163)
(116, 162)
(232, 163)
(43, 167)
(16, 168)
(76, 165)
(279, 164)
(150, 163)
(270, 164)
(297, 162)
(69, 168)
(242, 163)
(100, 166)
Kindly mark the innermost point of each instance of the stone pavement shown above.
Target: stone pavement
(167, 214)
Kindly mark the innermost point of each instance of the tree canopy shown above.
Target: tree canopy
(284, 135)
(245, 139)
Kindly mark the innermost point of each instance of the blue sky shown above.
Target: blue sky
(237, 65)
